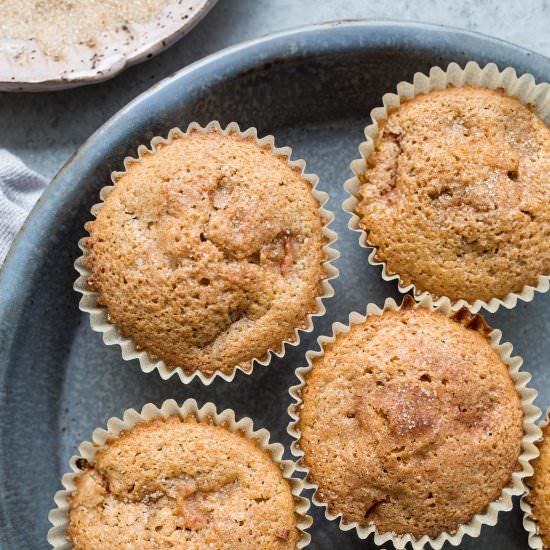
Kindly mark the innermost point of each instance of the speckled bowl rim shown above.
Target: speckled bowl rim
(59, 516)
(111, 335)
(523, 87)
(529, 521)
(529, 450)
(25, 66)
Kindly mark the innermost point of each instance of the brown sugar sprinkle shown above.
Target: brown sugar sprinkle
(57, 24)
(410, 421)
(455, 196)
(539, 484)
(203, 257)
(182, 484)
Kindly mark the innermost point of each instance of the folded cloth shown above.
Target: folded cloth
(20, 188)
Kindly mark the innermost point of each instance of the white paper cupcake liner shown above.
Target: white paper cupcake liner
(529, 521)
(524, 88)
(515, 488)
(59, 516)
(98, 314)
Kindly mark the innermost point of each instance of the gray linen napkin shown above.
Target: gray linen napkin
(20, 188)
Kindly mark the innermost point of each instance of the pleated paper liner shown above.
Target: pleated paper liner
(529, 521)
(524, 87)
(99, 320)
(528, 453)
(87, 450)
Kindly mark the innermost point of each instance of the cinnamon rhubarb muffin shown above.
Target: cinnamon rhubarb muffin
(539, 484)
(411, 422)
(208, 252)
(455, 196)
(182, 484)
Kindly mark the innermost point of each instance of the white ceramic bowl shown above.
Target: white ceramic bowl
(24, 66)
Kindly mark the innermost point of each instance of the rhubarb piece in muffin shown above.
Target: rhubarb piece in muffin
(410, 421)
(182, 484)
(456, 197)
(208, 252)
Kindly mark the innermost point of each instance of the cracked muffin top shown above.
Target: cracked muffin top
(456, 196)
(539, 496)
(208, 252)
(410, 421)
(182, 484)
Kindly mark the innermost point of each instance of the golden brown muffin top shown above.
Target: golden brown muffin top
(456, 195)
(208, 252)
(539, 497)
(410, 421)
(182, 484)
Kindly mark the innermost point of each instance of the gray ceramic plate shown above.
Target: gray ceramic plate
(58, 380)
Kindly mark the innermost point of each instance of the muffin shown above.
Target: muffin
(208, 252)
(455, 195)
(539, 484)
(181, 483)
(411, 423)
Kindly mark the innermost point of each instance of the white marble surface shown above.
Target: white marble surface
(45, 129)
